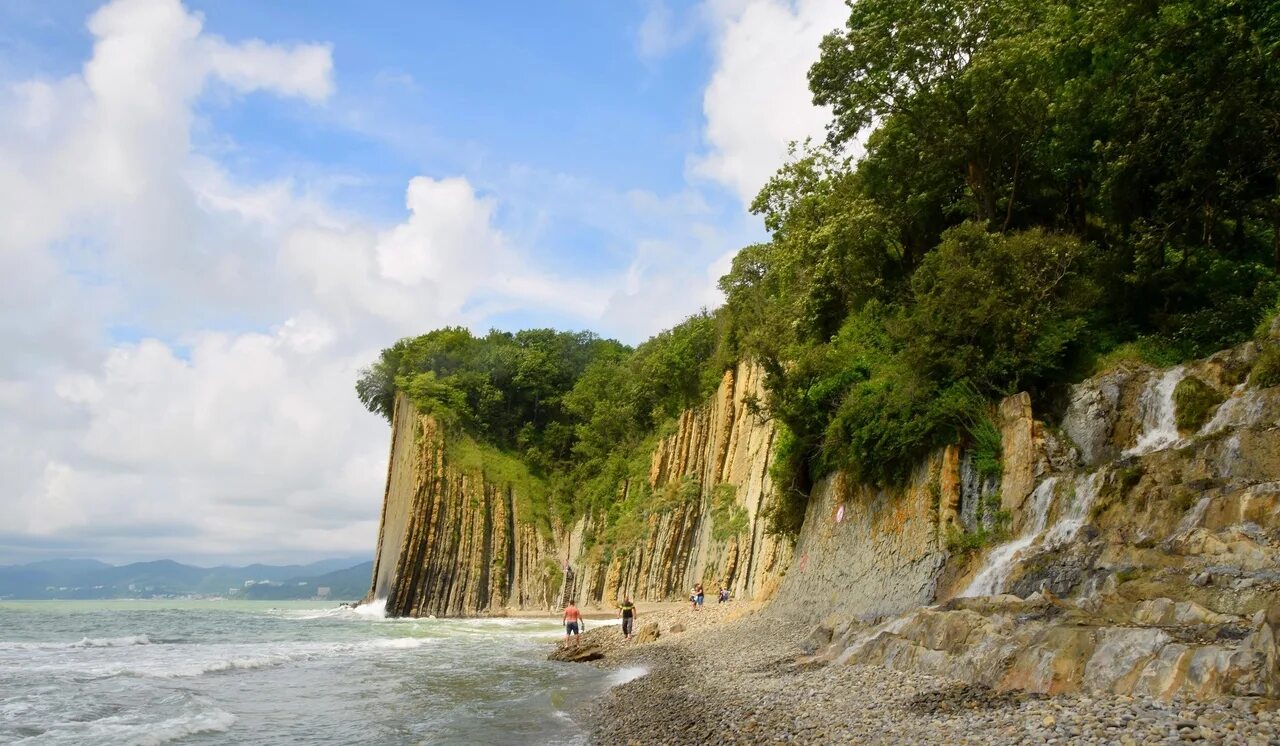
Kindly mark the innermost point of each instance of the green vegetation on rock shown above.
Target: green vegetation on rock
(1193, 401)
(1266, 369)
(1047, 187)
(728, 518)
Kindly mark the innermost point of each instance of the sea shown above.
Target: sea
(250, 672)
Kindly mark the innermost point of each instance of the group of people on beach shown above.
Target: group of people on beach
(574, 626)
(696, 596)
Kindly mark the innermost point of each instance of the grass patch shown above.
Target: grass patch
(969, 542)
(728, 518)
(987, 448)
(531, 494)
(1150, 350)
(1126, 574)
(1193, 401)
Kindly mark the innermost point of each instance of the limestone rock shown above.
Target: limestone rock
(453, 543)
(577, 654)
(1019, 452)
(648, 632)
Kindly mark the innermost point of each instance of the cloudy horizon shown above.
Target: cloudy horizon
(216, 215)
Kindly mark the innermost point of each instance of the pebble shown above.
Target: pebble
(738, 682)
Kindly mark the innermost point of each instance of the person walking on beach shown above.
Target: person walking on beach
(724, 594)
(698, 596)
(572, 624)
(627, 611)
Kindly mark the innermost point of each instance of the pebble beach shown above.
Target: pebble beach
(737, 675)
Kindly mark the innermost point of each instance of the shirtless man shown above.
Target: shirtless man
(572, 624)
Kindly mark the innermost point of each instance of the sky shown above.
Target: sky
(215, 213)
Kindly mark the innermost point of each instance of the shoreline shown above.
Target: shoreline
(737, 675)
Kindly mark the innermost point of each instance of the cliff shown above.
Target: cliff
(1125, 544)
(453, 542)
(1141, 551)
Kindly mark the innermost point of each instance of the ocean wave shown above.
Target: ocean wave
(119, 729)
(87, 642)
(293, 654)
(399, 643)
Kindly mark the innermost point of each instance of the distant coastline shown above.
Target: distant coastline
(336, 579)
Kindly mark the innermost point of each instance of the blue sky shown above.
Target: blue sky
(219, 211)
(510, 94)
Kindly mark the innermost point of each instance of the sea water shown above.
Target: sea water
(205, 672)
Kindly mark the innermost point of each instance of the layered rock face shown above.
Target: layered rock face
(454, 543)
(451, 542)
(1143, 558)
(723, 451)
(868, 552)
(1130, 555)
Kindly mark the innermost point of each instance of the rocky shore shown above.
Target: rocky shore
(735, 675)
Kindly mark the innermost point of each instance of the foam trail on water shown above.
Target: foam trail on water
(1159, 424)
(126, 730)
(87, 642)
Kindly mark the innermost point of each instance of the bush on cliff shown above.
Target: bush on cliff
(1266, 369)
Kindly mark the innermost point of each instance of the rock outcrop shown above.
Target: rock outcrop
(1114, 552)
(453, 542)
(1144, 558)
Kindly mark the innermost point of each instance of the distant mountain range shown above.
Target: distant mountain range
(345, 579)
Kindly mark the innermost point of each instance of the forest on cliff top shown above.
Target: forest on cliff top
(1047, 188)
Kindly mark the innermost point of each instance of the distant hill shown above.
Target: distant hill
(346, 577)
(348, 584)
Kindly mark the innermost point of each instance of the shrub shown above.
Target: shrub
(1193, 400)
(967, 542)
(1266, 369)
(728, 518)
(784, 511)
(987, 447)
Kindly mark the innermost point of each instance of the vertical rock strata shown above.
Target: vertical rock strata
(453, 543)
(1117, 551)
(867, 551)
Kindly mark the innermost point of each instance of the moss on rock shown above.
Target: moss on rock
(1266, 369)
(1193, 401)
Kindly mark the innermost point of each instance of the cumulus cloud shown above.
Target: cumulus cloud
(186, 342)
(758, 98)
(183, 342)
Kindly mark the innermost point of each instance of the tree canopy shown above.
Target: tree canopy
(1043, 182)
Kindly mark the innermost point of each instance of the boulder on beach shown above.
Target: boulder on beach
(577, 654)
(648, 633)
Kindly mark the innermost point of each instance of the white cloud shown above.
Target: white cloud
(758, 98)
(304, 70)
(184, 343)
(663, 30)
